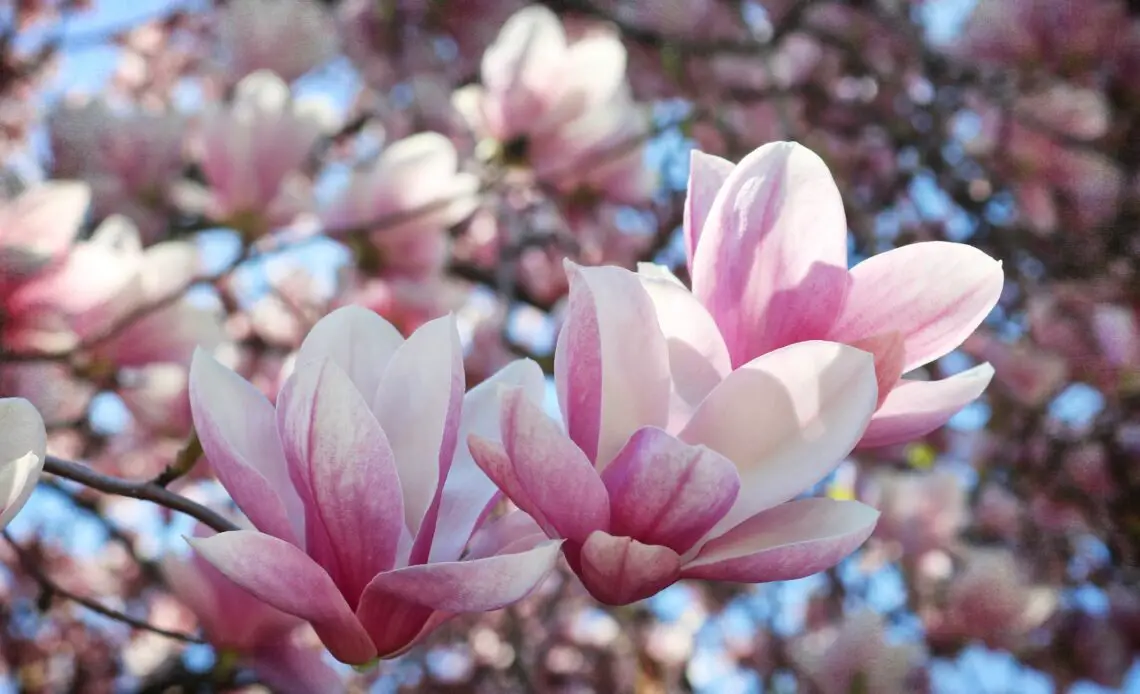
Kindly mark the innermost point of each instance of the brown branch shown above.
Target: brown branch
(50, 588)
(144, 491)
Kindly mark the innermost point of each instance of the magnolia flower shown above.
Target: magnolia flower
(767, 248)
(253, 32)
(23, 447)
(672, 465)
(251, 154)
(921, 511)
(563, 108)
(234, 621)
(37, 228)
(409, 197)
(362, 501)
(130, 160)
(854, 656)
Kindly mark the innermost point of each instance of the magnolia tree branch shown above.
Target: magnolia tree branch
(144, 491)
(50, 588)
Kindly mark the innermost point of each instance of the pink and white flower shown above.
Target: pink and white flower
(362, 501)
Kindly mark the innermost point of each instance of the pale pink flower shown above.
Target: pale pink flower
(1028, 374)
(990, 600)
(130, 160)
(252, 153)
(1117, 333)
(662, 471)
(404, 302)
(767, 249)
(234, 621)
(23, 447)
(407, 199)
(562, 108)
(855, 656)
(920, 511)
(999, 512)
(362, 445)
(286, 37)
(37, 228)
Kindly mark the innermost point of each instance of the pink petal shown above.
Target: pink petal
(281, 575)
(359, 341)
(621, 570)
(916, 408)
(344, 468)
(290, 668)
(707, 173)
(543, 472)
(40, 224)
(787, 542)
(611, 363)
(698, 357)
(236, 425)
(771, 265)
(23, 447)
(467, 491)
(419, 403)
(889, 352)
(479, 585)
(786, 419)
(935, 293)
(511, 532)
(666, 492)
(394, 624)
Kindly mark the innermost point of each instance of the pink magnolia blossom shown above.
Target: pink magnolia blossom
(234, 621)
(252, 34)
(37, 228)
(23, 447)
(991, 600)
(767, 249)
(854, 656)
(662, 471)
(130, 160)
(362, 501)
(1030, 375)
(252, 153)
(920, 511)
(409, 197)
(563, 108)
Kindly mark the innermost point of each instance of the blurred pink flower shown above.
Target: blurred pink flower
(767, 249)
(253, 35)
(252, 153)
(407, 199)
(646, 489)
(990, 600)
(1026, 373)
(37, 228)
(234, 621)
(363, 443)
(129, 159)
(920, 511)
(562, 108)
(854, 656)
(23, 447)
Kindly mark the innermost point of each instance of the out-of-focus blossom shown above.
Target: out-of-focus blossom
(404, 302)
(362, 444)
(130, 160)
(37, 228)
(252, 152)
(407, 199)
(646, 489)
(1056, 35)
(563, 109)
(767, 248)
(286, 37)
(23, 447)
(234, 621)
(990, 600)
(920, 511)
(999, 512)
(855, 656)
(1028, 374)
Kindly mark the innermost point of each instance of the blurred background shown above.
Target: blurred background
(254, 164)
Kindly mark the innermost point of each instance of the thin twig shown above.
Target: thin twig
(144, 491)
(51, 588)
